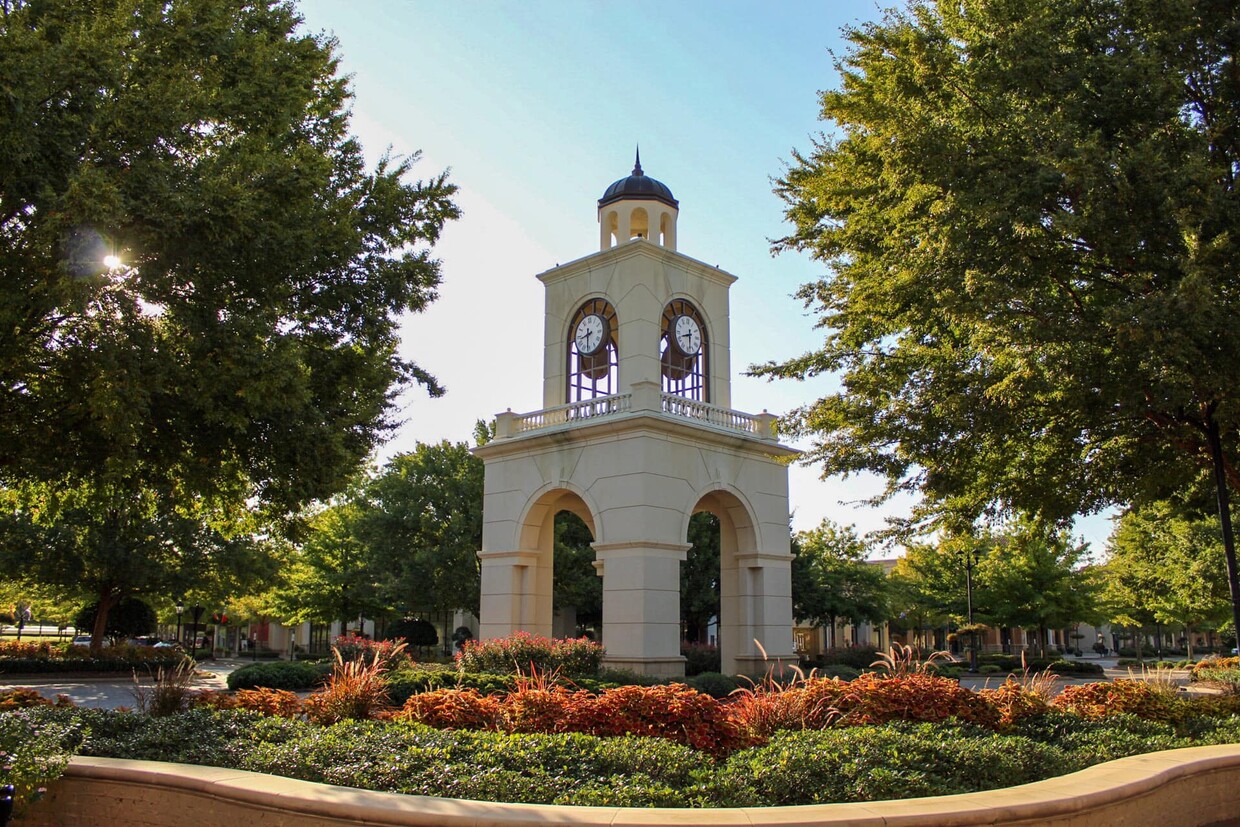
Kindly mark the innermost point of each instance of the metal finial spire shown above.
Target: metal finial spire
(637, 164)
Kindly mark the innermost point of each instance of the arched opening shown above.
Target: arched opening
(639, 223)
(699, 595)
(577, 593)
(683, 351)
(610, 230)
(722, 533)
(518, 585)
(593, 352)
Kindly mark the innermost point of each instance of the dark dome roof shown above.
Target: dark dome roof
(638, 186)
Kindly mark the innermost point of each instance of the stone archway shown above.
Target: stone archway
(747, 604)
(518, 583)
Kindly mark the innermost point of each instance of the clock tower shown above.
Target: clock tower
(637, 434)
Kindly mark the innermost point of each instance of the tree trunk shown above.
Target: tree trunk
(1224, 518)
(107, 599)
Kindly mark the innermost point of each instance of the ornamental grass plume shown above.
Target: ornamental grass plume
(356, 690)
(901, 660)
(769, 706)
(170, 692)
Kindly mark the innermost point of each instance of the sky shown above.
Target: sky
(535, 108)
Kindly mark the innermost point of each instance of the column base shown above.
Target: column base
(778, 665)
(658, 667)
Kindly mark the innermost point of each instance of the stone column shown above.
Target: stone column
(765, 616)
(510, 594)
(641, 605)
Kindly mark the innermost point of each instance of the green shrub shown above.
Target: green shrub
(838, 670)
(699, 658)
(608, 678)
(1086, 742)
(1059, 666)
(542, 769)
(876, 763)
(989, 669)
(858, 657)
(526, 653)
(34, 751)
(713, 683)
(298, 676)
(60, 660)
(1006, 663)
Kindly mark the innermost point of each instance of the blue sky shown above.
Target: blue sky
(536, 108)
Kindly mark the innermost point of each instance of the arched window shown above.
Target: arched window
(682, 351)
(592, 351)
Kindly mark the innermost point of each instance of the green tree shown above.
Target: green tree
(104, 545)
(1172, 565)
(577, 585)
(927, 588)
(331, 576)
(241, 344)
(420, 520)
(699, 577)
(130, 617)
(1029, 212)
(831, 580)
(1036, 577)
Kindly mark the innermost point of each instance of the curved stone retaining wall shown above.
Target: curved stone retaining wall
(1178, 788)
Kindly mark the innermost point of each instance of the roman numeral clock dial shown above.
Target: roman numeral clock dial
(589, 335)
(688, 335)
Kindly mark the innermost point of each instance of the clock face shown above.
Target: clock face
(589, 334)
(687, 335)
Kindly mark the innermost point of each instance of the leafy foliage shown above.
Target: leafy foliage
(523, 652)
(242, 356)
(831, 580)
(1140, 698)
(699, 577)
(292, 675)
(876, 763)
(34, 752)
(130, 617)
(1028, 212)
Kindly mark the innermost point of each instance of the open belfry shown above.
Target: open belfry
(636, 435)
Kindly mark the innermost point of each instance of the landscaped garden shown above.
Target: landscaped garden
(559, 730)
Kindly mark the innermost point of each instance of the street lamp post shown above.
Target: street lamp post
(197, 610)
(968, 596)
(180, 611)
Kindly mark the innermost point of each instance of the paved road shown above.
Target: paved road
(111, 692)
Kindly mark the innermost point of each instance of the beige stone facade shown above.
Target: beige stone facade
(636, 435)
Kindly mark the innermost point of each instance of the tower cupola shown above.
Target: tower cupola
(637, 206)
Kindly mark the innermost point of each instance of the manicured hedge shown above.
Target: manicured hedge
(298, 676)
(39, 666)
(877, 763)
(896, 760)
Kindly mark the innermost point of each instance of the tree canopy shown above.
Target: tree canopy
(1166, 566)
(243, 334)
(200, 280)
(831, 580)
(1029, 213)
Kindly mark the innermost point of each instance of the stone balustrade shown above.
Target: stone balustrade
(762, 426)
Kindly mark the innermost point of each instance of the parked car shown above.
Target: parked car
(84, 640)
